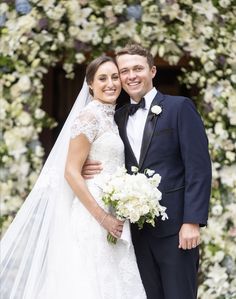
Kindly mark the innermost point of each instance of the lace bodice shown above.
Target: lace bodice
(96, 122)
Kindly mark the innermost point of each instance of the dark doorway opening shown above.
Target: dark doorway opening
(60, 93)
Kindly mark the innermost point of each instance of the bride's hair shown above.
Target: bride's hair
(94, 66)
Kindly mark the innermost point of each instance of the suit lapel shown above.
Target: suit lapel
(149, 128)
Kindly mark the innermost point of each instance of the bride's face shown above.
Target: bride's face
(106, 84)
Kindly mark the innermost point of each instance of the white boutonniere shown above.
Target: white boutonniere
(156, 109)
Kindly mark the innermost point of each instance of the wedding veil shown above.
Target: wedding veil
(25, 245)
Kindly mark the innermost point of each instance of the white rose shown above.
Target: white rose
(217, 210)
(224, 3)
(3, 109)
(134, 169)
(233, 78)
(150, 172)
(15, 91)
(39, 113)
(107, 39)
(228, 175)
(157, 179)
(61, 37)
(24, 118)
(80, 57)
(230, 156)
(156, 109)
(24, 83)
(144, 209)
(35, 62)
(220, 131)
(39, 151)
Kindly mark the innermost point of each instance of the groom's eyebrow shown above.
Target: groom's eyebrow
(131, 67)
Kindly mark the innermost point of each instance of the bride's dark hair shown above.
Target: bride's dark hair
(93, 66)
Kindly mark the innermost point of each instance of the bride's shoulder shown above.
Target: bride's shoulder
(86, 122)
(88, 112)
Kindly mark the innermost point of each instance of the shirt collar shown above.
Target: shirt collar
(148, 98)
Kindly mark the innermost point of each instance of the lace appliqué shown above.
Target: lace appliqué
(86, 123)
(94, 120)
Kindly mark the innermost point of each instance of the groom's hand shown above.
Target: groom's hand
(91, 168)
(189, 236)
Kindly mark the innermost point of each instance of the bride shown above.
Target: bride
(56, 247)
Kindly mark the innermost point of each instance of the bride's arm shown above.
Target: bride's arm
(77, 154)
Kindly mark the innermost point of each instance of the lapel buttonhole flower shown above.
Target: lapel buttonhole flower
(156, 109)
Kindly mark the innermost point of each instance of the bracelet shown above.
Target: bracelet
(103, 218)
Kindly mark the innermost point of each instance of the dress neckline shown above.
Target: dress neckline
(108, 109)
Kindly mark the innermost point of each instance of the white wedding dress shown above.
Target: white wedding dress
(87, 266)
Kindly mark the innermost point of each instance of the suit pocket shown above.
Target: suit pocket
(167, 131)
(174, 189)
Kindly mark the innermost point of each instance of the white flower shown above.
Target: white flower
(228, 175)
(230, 156)
(217, 210)
(149, 172)
(224, 3)
(24, 83)
(24, 118)
(156, 109)
(156, 179)
(3, 8)
(134, 196)
(39, 113)
(16, 145)
(172, 11)
(134, 169)
(80, 58)
(56, 12)
(205, 8)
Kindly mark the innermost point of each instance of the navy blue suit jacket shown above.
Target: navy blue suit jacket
(175, 146)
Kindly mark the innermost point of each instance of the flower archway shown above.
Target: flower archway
(37, 34)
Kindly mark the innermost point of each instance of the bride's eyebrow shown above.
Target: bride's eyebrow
(102, 75)
(105, 75)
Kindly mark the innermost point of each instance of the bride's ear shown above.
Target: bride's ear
(90, 89)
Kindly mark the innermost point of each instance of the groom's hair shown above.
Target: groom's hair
(136, 49)
(93, 66)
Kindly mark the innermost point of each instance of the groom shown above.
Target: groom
(165, 133)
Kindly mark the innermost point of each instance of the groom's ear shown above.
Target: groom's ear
(153, 71)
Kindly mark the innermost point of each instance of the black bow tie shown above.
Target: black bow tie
(134, 107)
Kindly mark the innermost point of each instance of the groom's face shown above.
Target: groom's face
(136, 75)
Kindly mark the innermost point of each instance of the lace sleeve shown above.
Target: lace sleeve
(85, 123)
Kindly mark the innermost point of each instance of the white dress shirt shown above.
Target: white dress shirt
(136, 123)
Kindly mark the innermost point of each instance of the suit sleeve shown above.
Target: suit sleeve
(195, 155)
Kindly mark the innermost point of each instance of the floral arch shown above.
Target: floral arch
(37, 34)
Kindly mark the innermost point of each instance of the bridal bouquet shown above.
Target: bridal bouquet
(134, 197)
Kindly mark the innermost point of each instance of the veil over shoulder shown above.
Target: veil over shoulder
(25, 245)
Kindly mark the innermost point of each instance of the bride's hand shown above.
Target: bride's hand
(113, 225)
